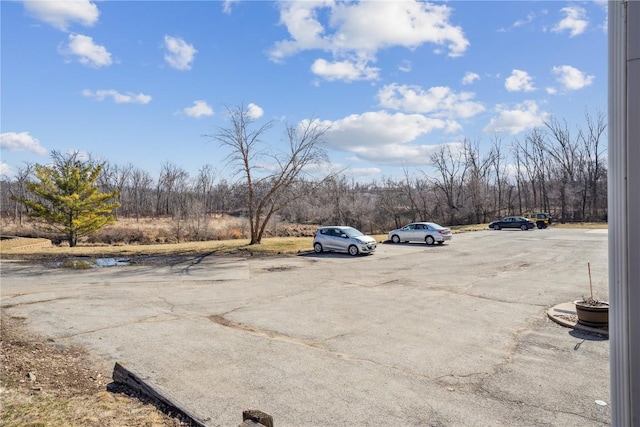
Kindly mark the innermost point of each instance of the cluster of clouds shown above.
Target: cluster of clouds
(347, 37)
(82, 48)
(569, 78)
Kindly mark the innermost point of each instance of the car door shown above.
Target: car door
(405, 233)
(341, 240)
(420, 232)
(509, 222)
(329, 239)
(412, 232)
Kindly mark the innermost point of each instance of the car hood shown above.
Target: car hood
(366, 239)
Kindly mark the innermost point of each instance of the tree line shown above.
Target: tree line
(552, 169)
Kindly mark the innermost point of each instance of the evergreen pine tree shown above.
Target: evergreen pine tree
(68, 200)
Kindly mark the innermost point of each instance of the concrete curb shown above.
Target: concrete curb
(565, 314)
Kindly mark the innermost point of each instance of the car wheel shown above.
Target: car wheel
(496, 227)
(523, 227)
(395, 238)
(317, 248)
(540, 225)
(429, 240)
(353, 250)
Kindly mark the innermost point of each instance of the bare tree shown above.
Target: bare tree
(452, 172)
(592, 167)
(18, 191)
(564, 151)
(140, 189)
(114, 178)
(169, 199)
(499, 172)
(267, 192)
(477, 167)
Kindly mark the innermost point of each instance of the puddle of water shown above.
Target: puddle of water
(83, 264)
(111, 262)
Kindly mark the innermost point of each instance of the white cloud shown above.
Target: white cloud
(344, 70)
(571, 78)
(519, 81)
(524, 116)
(360, 29)
(118, 98)
(360, 173)
(469, 78)
(86, 51)
(254, 111)
(180, 54)
(441, 101)
(226, 5)
(61, 14)
(405, 66)
(14, 141)
(383, 137)
(5, 170)
(199, 109)
(574, 21)
(529, 19)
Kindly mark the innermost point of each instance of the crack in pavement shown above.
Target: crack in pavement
(315, 344)
(151, 319)
(21, 304)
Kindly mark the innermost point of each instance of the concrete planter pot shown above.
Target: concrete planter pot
(593, 314)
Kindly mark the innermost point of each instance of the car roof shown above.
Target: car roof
(343, 227)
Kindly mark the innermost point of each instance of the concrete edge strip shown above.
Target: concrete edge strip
(122, 375)
(565, 315)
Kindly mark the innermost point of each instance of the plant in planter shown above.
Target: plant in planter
(591, 311)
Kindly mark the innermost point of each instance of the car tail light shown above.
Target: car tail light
(314, 234)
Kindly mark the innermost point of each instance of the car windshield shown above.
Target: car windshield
(352, 232)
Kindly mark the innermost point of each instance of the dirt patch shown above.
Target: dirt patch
(44, 384)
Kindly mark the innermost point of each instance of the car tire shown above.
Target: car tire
(540, 225)
(523, 227)
(496, 227)
(429, 240)
(395, 238)
(317, 248)
(353, 250)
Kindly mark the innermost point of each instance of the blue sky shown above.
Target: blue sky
(141, 82)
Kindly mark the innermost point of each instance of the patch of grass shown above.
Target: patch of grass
(7, 244)
(272, 245)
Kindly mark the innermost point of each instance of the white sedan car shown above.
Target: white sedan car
(427, 232)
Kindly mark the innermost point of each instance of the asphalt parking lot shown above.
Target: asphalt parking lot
(413, 335)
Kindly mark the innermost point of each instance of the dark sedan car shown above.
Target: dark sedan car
(512, 222)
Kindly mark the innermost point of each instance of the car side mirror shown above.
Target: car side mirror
(344, 236)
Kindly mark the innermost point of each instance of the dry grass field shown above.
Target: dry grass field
(43, 385)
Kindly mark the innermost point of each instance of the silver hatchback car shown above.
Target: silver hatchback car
(427, 232)
(342, 239)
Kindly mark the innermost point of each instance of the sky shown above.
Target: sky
(145, 82)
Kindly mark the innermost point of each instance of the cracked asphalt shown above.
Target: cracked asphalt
(452, 335)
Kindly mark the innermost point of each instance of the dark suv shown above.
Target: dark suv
(542, 220)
